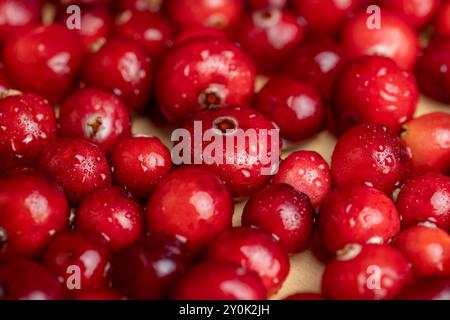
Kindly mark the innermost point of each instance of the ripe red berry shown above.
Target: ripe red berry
(84, 2)
(306, 296)
(427, 289)
(140, 5)
(418, 13)
(442, 22)
(5, 83)
(200, 32)
(264, 4)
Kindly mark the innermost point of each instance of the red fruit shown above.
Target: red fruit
(371, 155)
(85, 2)
(5, 83)
(123, 68)
(427, 289)
(428, 249)
(200, 32)
(139, 164)
(306, 296)
(87, 251)
(442, 22)
(418, 13)
(284, 212)
(113, 214)
(78, 166)
(97, 116)
(190, 203)
(150, 268)
(140, 5)
(308, 173)
(220, 281)
(263, 4)
(358, 39)
(357, 214)
(27, 124)
(32, 209)
(104, 294)
(207, 73)
(44, 60)
(296, 107)
(253, 249)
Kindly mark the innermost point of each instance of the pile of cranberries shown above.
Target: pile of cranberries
(91, 210)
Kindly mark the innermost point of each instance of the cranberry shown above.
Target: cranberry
(44, 60)
(5, 83)
(220, 281)
(306, 296)
(370, 272)
(418, 13)
(78, 166)
(374, 90)
(284, 212)
(307, 172)
(442, 23)
(359, 40)
(98, 295)
(264, 4)
(27, 124)
(85, 2)
(200, 32)
(124, 68)
(96, 116)
(140, 5)
(139, 164)
(428, 249)
(371, 155)
(427, 289)
(150, 268)
(296, 107)
(207, 73)
(113, 214)
(268, 36)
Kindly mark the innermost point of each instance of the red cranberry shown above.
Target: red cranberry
(220, 281)
(32, 209)
(308, 173)
(428, 249)
(284, 212)
(140, 5)
(207, 73)
(96, 116)
(200, 32)
(442, 22)
(370, 272)
(296, 107)
(418, 13)
(98, 295)
(427, 289)
(149, 268)
(78, 166)
(306, 296)
(113, 214)
(85, 2)
(139, 164)
(27, 124)
(371, 155)
(264, 4)
(5, 83)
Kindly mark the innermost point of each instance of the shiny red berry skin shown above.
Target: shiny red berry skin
(359, 40)
(370, 155)
(112, 213)
(284, 212)
(308, 173)
(78, 166)
(305, 296)
(44, 60)
(149, 269)
(207, 73)
(427, 289)
(268, 36)
(96, 116)
(139, 164)
(5, 83)
(85, 250)
(192, 204)
(442, 22)
(357, 214)
(140, 5)
(103, 294)
(418, 13)
(370, 272)
(123, 68)
(264, 4)
(296, 107)
(374, 90)
(428, 249)
(220, 281)
(200, 32)
(27, 124)
(32, 209)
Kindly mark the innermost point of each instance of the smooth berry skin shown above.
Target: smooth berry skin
(85, 250)
(208, 281)
(207, 73)
(427, 289)
(284, 212)
(44, 60)
(113, 214)
(305, 296)
(139, 164)
(370, 155)
(139, 5)
(95, 115)
(296, 107)
(348, 277)
(253, 249)
(374, 90)
(27, 124)
(122, 67)
(32, 209)
(5, 83)
(149, 269)
(264, 4)
(442, 23)
(418, 13)
(190, 203)
(200, 32)
(78, 166)
(359, 40)
(308, 173)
